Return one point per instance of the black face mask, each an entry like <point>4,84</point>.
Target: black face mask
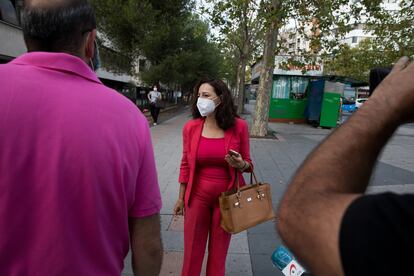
<point>95,60</point>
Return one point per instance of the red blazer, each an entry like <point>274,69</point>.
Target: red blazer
<point>235,138</point>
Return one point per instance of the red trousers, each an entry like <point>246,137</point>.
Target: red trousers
<point>202,220</point>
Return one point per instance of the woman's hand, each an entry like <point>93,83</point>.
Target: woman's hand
<point>235,162</point>
<point>179,208</point>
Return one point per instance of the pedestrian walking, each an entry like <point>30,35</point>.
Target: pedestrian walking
<point>340,111</point>
<point>154,98</point>
<point>207,169</point>
<point>77,171</point>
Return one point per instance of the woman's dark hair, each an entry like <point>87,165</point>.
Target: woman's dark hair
<point>226,111</point>
<point>57,27</point>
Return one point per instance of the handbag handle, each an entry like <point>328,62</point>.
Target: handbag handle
<point>252,176</point>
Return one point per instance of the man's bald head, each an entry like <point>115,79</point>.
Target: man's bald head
<point>57,25</point>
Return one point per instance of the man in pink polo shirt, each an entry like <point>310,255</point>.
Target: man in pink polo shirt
<point>77,170</point>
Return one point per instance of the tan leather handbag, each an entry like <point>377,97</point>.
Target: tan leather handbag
<point>245,207</point>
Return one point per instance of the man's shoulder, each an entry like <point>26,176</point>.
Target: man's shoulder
<point>119,109</point>
<point>90,91</point>
<point>8,68</point>
<point>119,101</point>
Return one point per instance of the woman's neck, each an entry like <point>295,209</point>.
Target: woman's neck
<point>211,128</point>
<point>211,121</point>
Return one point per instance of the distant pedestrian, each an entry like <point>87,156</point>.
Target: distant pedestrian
<point>325,217</point>
<point>77,170</point>
<point>340,111</point>
<point>154,97</point>
<point>206,171</point>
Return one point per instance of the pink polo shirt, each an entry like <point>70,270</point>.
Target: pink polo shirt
<point>76,160</point>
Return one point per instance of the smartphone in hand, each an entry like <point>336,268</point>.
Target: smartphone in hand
<point>234,153</point>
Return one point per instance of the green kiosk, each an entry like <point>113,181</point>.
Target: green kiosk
<point>291,96</point>
<point>288,98</point>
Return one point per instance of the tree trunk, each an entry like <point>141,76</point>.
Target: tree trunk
<point>236,87</point>
<point>241,77</point>
<point>261,115</point>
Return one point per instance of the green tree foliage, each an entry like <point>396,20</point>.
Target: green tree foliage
<point>230,64</point>
<point>358,61</point>
<point>391,28</point>
<point>240,30</point>
<point>196,58</point>
<point>167,33</point>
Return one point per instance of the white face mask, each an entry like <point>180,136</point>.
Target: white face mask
<point>205,106</point>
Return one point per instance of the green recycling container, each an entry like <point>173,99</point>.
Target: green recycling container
<point>331,104</point>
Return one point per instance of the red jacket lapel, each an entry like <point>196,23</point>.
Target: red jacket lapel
<point>228,135</point>
<point>195,139</point>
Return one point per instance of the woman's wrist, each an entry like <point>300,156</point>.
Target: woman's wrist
<point>244,167</point>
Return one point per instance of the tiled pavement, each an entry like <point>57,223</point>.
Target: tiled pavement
<point>275,162</point>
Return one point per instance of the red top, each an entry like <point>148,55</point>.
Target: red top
<point>210,158</point>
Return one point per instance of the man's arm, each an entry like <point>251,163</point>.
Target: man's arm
<point>311,211</point>
<point>146,245</point>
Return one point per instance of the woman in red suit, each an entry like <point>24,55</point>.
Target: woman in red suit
<point>206,171</point>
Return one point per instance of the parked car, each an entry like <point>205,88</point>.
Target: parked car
<point>360,102</point>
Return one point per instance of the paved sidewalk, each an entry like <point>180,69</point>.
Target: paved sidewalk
<point>275,162</point>
<point>168,149</point>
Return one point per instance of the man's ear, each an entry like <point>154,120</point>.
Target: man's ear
<point>89,45</point>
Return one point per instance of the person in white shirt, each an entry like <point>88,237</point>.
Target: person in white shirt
<point>154,96</point>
